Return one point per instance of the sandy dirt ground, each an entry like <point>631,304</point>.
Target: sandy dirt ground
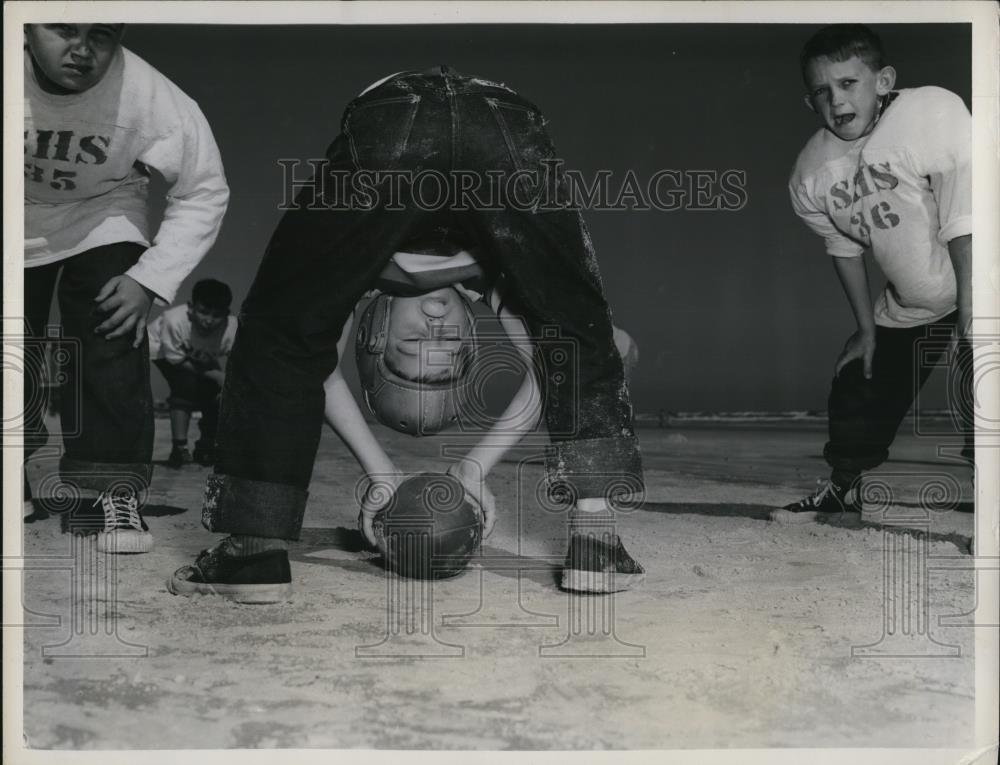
<point>746,633</point>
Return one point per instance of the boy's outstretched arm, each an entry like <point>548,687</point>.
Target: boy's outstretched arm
<point>344,416</point>
<point>960,249</point>
<point>519,418</point>
<point>861,345</point>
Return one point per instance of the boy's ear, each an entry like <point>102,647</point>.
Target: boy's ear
<point>885,80</point>
<point>809,102</point>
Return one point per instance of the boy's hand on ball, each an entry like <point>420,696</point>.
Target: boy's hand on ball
<point>475,487</point>
<point>128,302</point>
<point>379,493</point>
<point>860,345</point>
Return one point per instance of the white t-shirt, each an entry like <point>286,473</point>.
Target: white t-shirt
<point>85,172</point>
<point>172,338</point>
<point>904,190</point>
<point>424,271</point>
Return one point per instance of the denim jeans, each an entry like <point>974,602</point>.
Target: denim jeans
<point>192,392</point>
<point>105,401</point>
<point>864,415</point>
<point>324,255</point>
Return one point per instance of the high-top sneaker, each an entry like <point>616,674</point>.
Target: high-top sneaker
<point>828,500</point>
<point>123,529</point>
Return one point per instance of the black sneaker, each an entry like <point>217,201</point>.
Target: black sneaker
<point>116,518</point>
<point>599,563</point>
<point>828,500</point>
<point>203,455</point>
<point>179,456</point>
<point>264,577</point>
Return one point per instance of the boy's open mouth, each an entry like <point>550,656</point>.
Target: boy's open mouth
<point>843,119</point>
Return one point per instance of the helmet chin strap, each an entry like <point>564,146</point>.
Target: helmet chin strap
<point>883,104</point>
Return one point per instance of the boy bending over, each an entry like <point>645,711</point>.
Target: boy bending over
<point>97,119</point>
<point>325,255</point>
<point>889,171</point>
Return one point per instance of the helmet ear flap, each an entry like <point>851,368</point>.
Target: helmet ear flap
<point>370,341</point>
<point>373,329</point>
<point>473,339</point>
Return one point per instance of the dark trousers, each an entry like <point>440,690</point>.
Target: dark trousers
<point>193,392</point>
<point>325,255</point>
<point>106,405</point>
<point>864,415</point>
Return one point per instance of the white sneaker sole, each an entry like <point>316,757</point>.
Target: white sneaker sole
<point>599,582</point>
<point>790,518</point>
<point>240,593</point>
<point>124,541</point>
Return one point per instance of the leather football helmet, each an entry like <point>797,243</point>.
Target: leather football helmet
<point>408,406</point>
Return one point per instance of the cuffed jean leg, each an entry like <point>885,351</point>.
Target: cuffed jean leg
<point>550,268</point>
<point>319,263</point>
<point>588,411</point>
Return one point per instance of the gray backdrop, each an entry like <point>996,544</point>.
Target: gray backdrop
<point>732,310</point>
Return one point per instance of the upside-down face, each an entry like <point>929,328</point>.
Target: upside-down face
<point>426,334</point>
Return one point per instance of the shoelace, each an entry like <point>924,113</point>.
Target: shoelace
<point>120,508</point>
<point>825,487</point>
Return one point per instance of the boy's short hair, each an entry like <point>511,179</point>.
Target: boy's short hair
<point>212,293</point>
<point>839,42</point>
